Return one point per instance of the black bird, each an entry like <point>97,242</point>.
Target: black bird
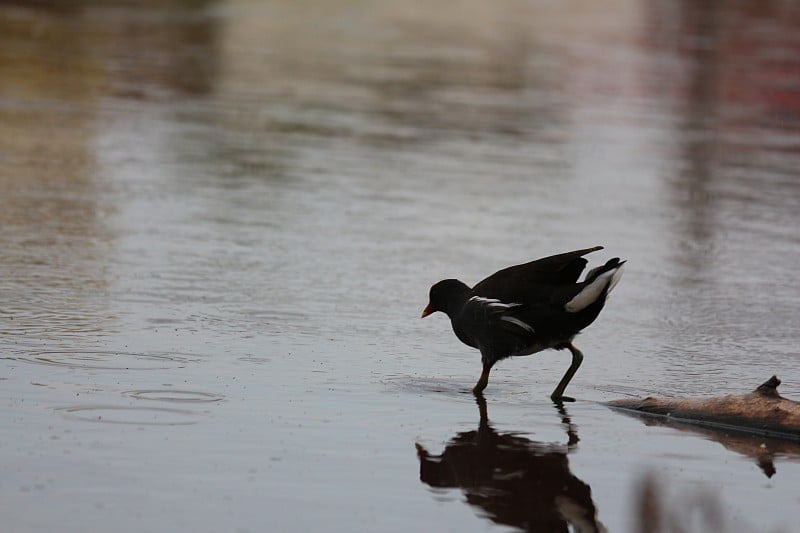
<point>527,308</point>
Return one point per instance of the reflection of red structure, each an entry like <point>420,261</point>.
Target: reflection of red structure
<point>759,53</point>
<point>743,56</point>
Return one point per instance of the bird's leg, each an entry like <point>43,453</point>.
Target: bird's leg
<point>577,359</point>
<point>482,411</point>
<point>483,381</point>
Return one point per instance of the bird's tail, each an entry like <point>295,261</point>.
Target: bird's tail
<point>598,283</point>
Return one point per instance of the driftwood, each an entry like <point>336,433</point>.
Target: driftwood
<point>763,411</point>
<point>760,424</point>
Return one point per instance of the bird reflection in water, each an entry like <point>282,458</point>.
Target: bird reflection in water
<point>515,481</point>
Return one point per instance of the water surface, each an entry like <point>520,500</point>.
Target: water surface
<point>220,221</point>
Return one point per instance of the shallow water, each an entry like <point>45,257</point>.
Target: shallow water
<point>220,221</point>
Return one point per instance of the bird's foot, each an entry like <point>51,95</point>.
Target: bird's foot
<point>561,399</point>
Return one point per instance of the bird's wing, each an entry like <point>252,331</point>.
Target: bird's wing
<point>522,279</point>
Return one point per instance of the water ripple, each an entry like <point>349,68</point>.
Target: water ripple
<point>173,395</point>
<point>103,360</point>
<point>136,416</point>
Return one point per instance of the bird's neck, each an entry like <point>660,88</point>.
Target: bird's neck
<point>456,301</point>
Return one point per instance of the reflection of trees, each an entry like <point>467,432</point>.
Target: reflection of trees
<point>428,74</point>
<point>52,240</point>
<point>514,480</point>
<point>59,62</point>
<point>173,46</point>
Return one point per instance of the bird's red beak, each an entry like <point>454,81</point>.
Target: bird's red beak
<point>426,311</point>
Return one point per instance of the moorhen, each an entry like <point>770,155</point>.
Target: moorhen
<point>527,308</point>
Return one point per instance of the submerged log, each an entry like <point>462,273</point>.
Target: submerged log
<point>762,412</point>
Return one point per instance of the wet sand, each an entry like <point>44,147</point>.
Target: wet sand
<point>220,221</point>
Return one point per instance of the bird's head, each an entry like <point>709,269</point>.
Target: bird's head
<point>444,295</point>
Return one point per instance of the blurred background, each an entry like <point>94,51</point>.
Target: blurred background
<point>220,221</point>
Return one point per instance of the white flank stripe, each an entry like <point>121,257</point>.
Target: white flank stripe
<point>491,302</point>
<point>518,322</point>
<point>592,292</point>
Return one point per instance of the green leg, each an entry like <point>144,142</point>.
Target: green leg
<point>577,359</point>
<point>482,382</point>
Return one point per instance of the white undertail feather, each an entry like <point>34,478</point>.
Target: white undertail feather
<point>615,278</point>
<point>592,291</point>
